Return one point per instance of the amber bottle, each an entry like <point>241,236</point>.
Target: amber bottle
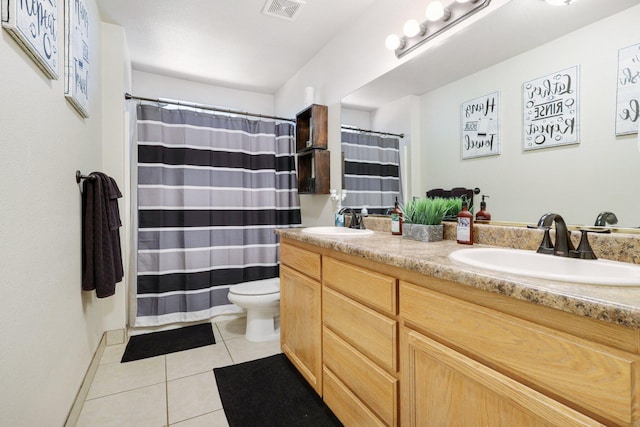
<point>483,215</point>
<point>465,226</point>
<point>396,219</point>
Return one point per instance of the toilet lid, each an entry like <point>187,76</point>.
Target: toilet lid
<point>262,287</point>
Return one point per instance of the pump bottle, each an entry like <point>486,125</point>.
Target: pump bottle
<point>396,219</point>
<point>464,229</point>
<point>483,215</point>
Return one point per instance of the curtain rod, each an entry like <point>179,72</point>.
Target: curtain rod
<point>401,135</point>
<point>128,96</point>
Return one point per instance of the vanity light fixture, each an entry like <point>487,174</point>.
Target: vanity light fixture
<point>439,19</point>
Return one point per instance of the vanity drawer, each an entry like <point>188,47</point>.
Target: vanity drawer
<point>366,380</point>
<point>596,378</point>
<point>304,261</point>
<point>367,330</point>
<point>363,285</point>
<point>345,405</point>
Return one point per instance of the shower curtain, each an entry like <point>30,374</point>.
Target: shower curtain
<point>371,171</point>
<point>211,191</point>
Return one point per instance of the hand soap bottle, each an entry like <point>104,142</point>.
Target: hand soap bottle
<point>483,215</point>
<point>396,220</point>
<point>464,229</point>
<point>339,216</point>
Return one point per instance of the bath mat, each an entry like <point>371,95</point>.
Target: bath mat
<point>164,342</point>
<point>270,392</point>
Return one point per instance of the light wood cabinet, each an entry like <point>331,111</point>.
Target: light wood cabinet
<point>300,314</point>
<point>360,341</point>
<point>385,346</point>
<point>445,388</point>
<point>570,371</point>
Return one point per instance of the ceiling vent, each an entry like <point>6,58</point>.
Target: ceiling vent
<point>285,9</point>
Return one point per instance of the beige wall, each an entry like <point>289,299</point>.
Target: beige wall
<point>49,328</point>
<point>576,181</point>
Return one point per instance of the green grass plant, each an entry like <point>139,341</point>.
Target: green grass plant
<point>426,211</point>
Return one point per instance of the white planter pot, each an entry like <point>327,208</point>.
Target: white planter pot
<point>423,233</point>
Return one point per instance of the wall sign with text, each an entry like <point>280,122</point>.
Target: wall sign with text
<point>481,126</point>
<point>76,64</point>
<point>34,25</point>
<point>551,110</point>
<point>628,93</point>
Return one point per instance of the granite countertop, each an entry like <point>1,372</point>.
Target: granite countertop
<point>619,305</point>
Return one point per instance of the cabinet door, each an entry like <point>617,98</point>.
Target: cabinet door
<point>300,324</point>
<point>441,387</point>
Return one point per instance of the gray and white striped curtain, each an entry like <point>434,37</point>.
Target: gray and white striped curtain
<point>211,191</point>
<point>371,171</point>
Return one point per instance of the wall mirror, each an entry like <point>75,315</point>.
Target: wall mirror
<point>520,41</point>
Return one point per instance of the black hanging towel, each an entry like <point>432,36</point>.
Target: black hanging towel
<point>101,250</point>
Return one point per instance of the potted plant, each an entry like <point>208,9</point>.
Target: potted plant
<point>423,219</point>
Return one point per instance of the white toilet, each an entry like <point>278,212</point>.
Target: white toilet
<point>261,299</point>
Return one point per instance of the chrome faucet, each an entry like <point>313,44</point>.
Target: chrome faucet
<point>356,219</point>
<point>563,244</point>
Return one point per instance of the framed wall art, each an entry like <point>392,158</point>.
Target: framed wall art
<point>76,64</point>
<point>551,110</point>
<point>481,126</point>
<point>34,25</point>
<point>628,90</point>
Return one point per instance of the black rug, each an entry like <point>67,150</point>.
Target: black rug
<point>270,392</point>
<point>164,342</point>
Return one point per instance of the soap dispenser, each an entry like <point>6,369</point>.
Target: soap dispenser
<point>396,219</point>
<point>464,229</point>
<point>483,215</point>
<point>339,217</point>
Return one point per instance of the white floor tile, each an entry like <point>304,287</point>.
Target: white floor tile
<point>112,354</point>
<point>212,419</point>
<point>142,407</point>
<point>197,360</point>
<point>216,333</point>
<point>137,393</point>
<point>242,350</point>
<point>232,328</point>
<point>192,396</point>
<point>117,377</point>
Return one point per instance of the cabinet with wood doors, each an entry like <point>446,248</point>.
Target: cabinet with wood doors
<point>300,312</point>
<point>386,346</point>
<point>465,364</point>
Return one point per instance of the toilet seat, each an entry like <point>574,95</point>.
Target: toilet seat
<point>262,287</point>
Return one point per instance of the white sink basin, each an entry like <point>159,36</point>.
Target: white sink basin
<point>336,232</point>
<point>533,264</point>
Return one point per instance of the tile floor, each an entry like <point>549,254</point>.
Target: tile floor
<point>178,389</point>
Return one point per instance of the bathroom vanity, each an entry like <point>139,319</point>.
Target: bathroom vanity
<point>392,332</point>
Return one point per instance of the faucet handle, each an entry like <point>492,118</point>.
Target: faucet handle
<point>584,250</point>
<point>546,247</point>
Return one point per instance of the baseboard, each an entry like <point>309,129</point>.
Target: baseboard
<point>108,338</point>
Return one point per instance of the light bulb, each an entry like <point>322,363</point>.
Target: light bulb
<point>392,42</point>
<point>436,11</point>
<point>411,28</point>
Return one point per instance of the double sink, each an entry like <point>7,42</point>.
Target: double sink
<point>525,263</point>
